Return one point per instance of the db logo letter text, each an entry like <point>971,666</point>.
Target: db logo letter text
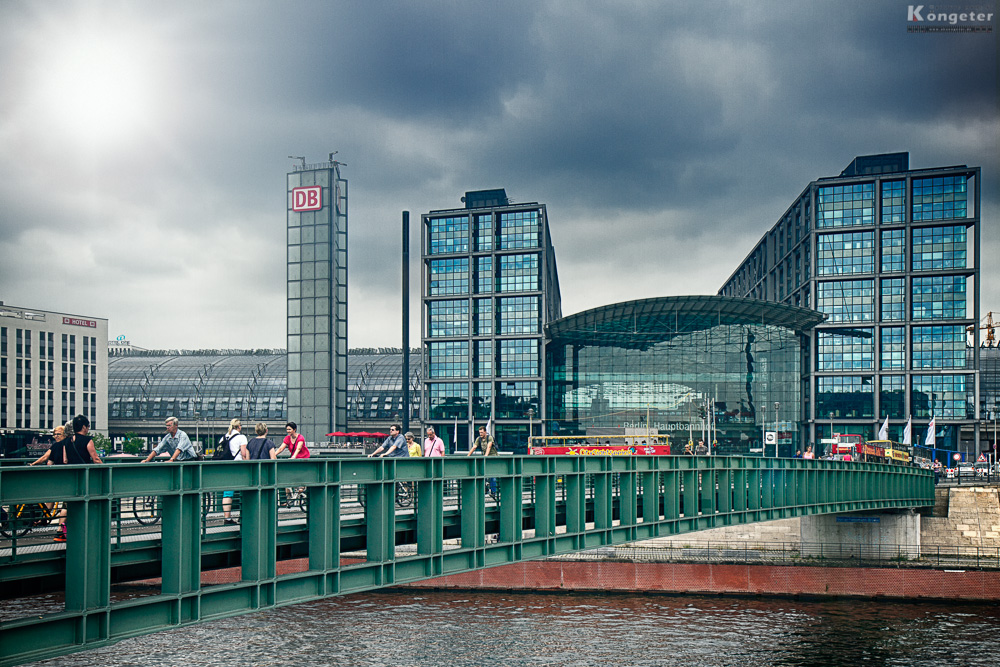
<point>307,199</point>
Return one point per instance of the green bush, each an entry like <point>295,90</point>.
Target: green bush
<point>133,444</point>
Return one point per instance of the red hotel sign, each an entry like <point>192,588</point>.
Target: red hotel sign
<point>307,199</point>
<point>77,322</point>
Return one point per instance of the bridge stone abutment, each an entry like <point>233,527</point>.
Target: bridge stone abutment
<point>870,533</point>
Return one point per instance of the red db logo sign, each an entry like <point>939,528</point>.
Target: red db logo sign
<point>307,199</point>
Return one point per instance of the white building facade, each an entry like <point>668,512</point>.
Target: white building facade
<point>53,366</point>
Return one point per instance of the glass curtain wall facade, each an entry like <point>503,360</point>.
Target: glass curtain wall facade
<point>675,366</point>
<point>891,255</point>
<point>317,299</point>
<point>489,287</point>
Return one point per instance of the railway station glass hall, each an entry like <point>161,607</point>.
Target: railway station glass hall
<point>671,365</point>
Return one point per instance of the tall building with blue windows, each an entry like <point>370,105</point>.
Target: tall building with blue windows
<point>489,287</point>
<point>317,299</point>
<point>891,255</point>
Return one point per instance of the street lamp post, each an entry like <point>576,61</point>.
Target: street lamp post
<point>763,431</point>
<point>777,405</point>
<point>996,410</point>
<point>831,425</point>
<point>531,417</point>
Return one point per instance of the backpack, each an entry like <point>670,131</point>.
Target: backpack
<point>223,452</point>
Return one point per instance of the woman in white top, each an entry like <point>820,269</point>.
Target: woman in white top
<point>238,448</point>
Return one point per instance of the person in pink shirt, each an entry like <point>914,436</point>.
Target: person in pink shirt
<point>433,445</point>
<point>294,442</point>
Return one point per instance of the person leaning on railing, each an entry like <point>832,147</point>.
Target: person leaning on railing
<point>176,442</point>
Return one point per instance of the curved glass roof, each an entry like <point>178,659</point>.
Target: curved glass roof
<point>644,322</point>
<point>223,385</point>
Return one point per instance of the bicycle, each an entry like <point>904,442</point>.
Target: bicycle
<point>18,520</point>
<point>147,510</point>
<point>403,498</point>
<point>298,498</point>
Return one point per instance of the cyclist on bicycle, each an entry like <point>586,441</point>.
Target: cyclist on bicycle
<point>176,442</point>
<point>489,446</point>
<point>394,445</point>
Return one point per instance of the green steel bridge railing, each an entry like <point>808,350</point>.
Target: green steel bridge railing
<point>350,535</point>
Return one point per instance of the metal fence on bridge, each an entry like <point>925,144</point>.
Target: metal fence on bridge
<point>163,524</point>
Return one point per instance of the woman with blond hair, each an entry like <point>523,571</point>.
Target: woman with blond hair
<point>237,443</point>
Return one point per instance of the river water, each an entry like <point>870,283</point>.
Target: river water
<point>425,628</point>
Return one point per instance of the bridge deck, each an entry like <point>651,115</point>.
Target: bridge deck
<point>353,536</point>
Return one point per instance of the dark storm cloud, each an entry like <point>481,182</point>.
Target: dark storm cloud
<point>665,138</point>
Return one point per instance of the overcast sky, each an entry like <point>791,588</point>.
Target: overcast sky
<point>144,144</point>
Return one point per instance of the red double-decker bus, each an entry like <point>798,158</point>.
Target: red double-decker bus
<point>604,445</point>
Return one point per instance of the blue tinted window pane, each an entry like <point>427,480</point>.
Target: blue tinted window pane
<point>845,396</point>
<point>519,358</point>
<point>893,201</point>
<point>845,205</point>
<point>939,248</point>
<point>849,252</point>
<point>893,348</point>
<point>448,235</point>
<point>448,318</point>
<point>519,273</point>
<point>519,229</point>
<point>893,250</point>
<point>847,300</point>
<point>891,396</point>
<point>514,399</point>
<point>845,349</point>
<point>940,396</point>
<point>939,347</point>
<point>939,297</point>
<point>484,232</point>
<point>449,276</point>
<point>519,315</point>
<point>484,358</point>
<point>484,317</point>
<point>448,400</point>
<point>941,198</point>
<point>894,299</point>
<point>484,275</point>
<point>448,359</point>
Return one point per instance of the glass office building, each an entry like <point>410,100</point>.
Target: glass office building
<point>891,255</point>
<point>489,286</point>
<point>317,298</point>
<point>675,365</point>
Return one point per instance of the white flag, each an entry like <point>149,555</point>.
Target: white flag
<point>907,431</point>
<point>883,433</point>
<point>931,438</point>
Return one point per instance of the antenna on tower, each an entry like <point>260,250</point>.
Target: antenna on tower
<point>337,163</point>
<point>298,157</point>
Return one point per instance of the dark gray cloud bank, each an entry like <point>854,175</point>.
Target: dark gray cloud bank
<point>664,137</point>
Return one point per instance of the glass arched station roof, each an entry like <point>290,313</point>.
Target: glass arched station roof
<point>642,323</point>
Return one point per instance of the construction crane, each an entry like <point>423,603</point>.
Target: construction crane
<point>991,339</point>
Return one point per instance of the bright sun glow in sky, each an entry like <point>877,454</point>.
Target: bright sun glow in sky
<point>94,86</point>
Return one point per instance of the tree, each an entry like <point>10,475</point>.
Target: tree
<point>102,443</point>
<point>133,444</point>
